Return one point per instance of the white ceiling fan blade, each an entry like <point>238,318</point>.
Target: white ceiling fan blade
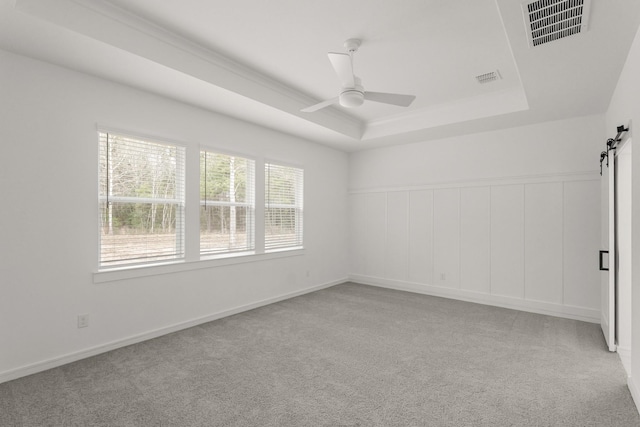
<point>341,62</point>
<point>390,98</point>
<point>320,105</point>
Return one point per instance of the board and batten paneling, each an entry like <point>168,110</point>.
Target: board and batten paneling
<point>446,237</point>
<point>475,239</point>
<point>357,232</point>
<point>507,240</point>
<point>376,234</point>
<point>543,242</point>
<point>420,236</point>
<point>521,244</point>
<point>397,259</point>
<point>581,236</point>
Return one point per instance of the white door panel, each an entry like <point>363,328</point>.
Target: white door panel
<point>607,310</point>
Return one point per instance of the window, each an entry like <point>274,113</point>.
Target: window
<point>141,201</point>
<point>227,203</point>
<point>283,206</point>
<point>142,205</point>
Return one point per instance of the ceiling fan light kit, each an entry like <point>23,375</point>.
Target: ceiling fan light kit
<point>351,98</point>
<point>352,93</point>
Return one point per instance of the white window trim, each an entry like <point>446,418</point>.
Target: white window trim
<point>193,259</point>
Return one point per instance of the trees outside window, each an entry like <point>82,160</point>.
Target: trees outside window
<point>227,203</point>
<point>141,200</point>
<point>142,203</point>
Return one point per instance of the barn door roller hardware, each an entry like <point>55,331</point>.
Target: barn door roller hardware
<point>611,145</point>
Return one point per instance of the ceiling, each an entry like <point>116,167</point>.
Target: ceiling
<point>263,61</point>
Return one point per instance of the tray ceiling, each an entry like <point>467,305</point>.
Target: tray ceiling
<point>264,61</point>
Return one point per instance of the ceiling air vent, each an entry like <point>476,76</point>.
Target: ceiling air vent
<point>549,20</point>
<point>488,77</point>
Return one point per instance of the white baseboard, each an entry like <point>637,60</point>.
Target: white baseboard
<point>625,357</point>
<point>540,307</point>
<point>635,392</point>
<point>44,365</point>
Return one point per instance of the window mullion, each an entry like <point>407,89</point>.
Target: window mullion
<point>192,202</point>
<point>260,180</point>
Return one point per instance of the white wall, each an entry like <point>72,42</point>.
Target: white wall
<point>49,214</point>
<point>558,147</point>
<point>509,218</point>
<point>624,109</point>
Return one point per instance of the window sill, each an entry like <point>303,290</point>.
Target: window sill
<point>124,273</point>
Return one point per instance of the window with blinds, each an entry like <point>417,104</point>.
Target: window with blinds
<point>227,203</point>
<point>283,206</point>
<point>141,200</point>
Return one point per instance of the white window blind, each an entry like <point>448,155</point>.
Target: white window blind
<point>141,200</point>
<point>283,206</point>
<point>227,203</point>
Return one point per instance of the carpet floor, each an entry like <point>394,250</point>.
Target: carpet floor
<point>350,355</point>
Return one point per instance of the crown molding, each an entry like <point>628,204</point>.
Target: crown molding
<point>107,23</point>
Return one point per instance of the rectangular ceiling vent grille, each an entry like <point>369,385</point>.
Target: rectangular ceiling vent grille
<point>550,20</point>
<point>488,77</point>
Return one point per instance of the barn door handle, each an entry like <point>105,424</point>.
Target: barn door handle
<point>602,267</point>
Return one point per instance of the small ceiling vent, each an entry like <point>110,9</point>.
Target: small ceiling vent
<point>488,77</point>
<point>549,20</point>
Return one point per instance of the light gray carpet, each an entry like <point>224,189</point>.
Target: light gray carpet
<point>351,355</point>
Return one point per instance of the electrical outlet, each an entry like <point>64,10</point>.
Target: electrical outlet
<point>443,276</point>
<point>83,320</point>
<point>308,273</point>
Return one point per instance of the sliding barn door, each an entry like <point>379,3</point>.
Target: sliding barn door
<point>608,280</point>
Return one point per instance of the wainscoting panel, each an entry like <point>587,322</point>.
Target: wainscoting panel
<point>358,232</point>
<point>581,240</point>
<point>475,239</point>
<point>507,240</point>
<point>543,242</point>
<point>446,237</point>
<point>397,260</point>
<point>421,236</point>
<point>376,235</point>
<point>525,243</point>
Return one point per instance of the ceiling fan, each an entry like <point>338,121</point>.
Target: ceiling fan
<point>352,93</point>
